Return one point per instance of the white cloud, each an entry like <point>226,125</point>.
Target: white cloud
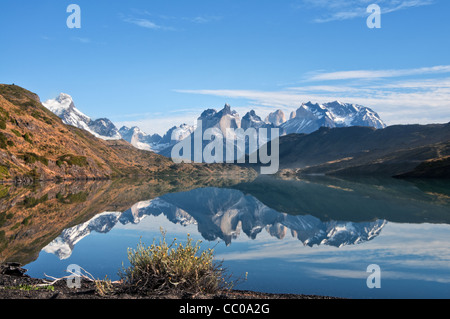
<point>376,74</point>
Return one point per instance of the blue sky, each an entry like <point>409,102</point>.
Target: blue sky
<point>158,63</point>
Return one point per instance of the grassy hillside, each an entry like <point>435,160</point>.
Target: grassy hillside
<point>36,145</point>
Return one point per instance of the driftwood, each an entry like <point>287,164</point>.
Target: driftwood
<point>85,276</point>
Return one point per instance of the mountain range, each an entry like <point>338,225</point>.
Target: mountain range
<point>307,118</point>
<point>59,141</point>
<point>331,138</point>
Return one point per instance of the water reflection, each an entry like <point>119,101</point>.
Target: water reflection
<point>291,235</point>
<point>223,214</point>
<point>318,211</point>
<point>32,217</point>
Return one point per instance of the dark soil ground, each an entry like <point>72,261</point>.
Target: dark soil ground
<point>14,284</point>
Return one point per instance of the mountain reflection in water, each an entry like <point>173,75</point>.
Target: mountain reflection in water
<point>223,213</point>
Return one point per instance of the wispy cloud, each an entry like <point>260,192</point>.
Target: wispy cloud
<point>203,19</point>
<point>333,10</point>
<point>146,19</point>
<point>144,23</point>
<point>373,74</point>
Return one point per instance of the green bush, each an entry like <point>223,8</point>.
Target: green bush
<point>173,268</point>
<point>72,198</point>
<point>3,141</point>
<point>27,138</point>
<point>30,202</point>
<point>16,132</point>
<point>4,172</point>
<point>72,160</point>
<point>31,158</point>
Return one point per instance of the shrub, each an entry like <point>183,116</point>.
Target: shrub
<point>30,202</point>
<point>73,198</point>
<point>4,172</point>
<point>27,138</point>
<point>71,160</point>
<point>31,158</point>
<point>3,141</point>
<point>16,133</point>
<point>174,268</point>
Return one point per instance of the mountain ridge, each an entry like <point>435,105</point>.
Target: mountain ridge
<point>307,118</point>
<point>394,150</point>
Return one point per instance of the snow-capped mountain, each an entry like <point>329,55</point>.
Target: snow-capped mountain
<point>64,107</point>
<point>306,119</point>
<point>276,118</point>
<point>139,139</point>
<point>310,117</point>
<point>225,214</point>
<point>223,120</point>
<point>176,134</point>
<point>251,120</point>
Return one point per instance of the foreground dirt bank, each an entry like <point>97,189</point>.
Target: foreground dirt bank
<point>14,284</point>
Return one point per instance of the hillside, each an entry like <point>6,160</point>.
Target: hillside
<point>391,151</point>
<point>36,145</point>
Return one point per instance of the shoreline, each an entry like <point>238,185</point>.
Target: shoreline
<point>15,284</point>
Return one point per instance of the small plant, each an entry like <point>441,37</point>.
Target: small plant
<point>174,268</point>
<point>104,287</point>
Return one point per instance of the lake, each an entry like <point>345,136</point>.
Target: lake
<point>314,235</point>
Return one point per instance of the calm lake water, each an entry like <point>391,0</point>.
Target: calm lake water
<point>310,236</point>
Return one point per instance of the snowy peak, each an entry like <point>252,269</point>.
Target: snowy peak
<point>309,117</point>
<point>224,119</point>
<point>139,139</point>
<point>64,107</point>
<point>276,118</point>
<point>251,120</point>
<point>62,103</point>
